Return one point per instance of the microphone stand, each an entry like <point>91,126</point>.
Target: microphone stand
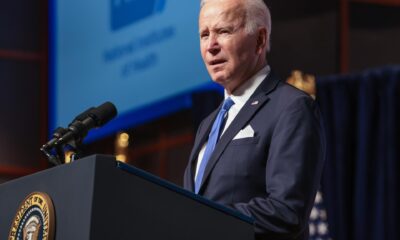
<point>55,153</point>
<point>76,147</point>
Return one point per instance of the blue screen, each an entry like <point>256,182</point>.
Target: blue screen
<point>142,55</point>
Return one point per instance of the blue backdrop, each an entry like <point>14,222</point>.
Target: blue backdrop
<point>142,55</point>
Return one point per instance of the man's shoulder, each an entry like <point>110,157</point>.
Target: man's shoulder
<point>286,96</point>
<point>290,91</point>
<point>286,93</point>
<point>274,86</point>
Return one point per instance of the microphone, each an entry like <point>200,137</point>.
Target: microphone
<point>78,129</point>
<point>83,115</point>
<point>95,118</point>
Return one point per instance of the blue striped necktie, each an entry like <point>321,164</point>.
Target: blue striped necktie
<point>212,141</point>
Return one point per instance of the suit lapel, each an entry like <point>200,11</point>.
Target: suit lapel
<point>256,102</point>
<point>202,136</point>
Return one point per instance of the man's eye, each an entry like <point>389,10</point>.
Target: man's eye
<point>204,35</point>
<point>224,31</point>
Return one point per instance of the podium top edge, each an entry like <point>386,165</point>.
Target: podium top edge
<point>156,180</point>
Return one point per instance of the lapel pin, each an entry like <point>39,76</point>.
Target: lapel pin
<point>254,103</point>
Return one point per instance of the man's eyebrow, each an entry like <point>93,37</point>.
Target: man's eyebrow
<point>229,27</point>
<point>203,30</point>
<point>218,27</point>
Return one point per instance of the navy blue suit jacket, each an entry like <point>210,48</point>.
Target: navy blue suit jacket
<point>273,176</point>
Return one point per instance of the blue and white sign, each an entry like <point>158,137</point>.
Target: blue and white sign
<point>138,54</point>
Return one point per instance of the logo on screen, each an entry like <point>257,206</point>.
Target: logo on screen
<point>127,12</point>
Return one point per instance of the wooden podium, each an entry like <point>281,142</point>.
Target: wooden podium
<point>98,197</point>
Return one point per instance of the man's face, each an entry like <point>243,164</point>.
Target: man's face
<point>230,53</point>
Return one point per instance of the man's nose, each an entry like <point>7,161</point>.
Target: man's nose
<point>213,46</point>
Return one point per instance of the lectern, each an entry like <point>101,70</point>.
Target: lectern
<point>98,198</point>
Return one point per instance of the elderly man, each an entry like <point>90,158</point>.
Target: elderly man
<point>262,151</point>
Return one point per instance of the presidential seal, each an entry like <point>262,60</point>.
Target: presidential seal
<point>34,219</point>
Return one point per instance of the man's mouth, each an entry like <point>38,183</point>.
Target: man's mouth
<point>216,62</point>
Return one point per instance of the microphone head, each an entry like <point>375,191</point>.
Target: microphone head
<point>83,115</point>
<point>103,113</point>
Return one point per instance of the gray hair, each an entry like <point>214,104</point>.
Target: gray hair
<point>257,15</point>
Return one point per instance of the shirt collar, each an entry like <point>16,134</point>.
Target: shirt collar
<point>244,92</point>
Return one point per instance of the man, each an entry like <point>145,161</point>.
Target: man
<point>262,151</point>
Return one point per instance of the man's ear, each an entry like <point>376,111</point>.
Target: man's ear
<point>262,40</point>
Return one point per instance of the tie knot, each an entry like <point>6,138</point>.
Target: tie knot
<point>227,104</point>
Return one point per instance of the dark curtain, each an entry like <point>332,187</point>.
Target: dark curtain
<point>361,180</point>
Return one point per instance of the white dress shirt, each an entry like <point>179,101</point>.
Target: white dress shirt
<point>239,97</point>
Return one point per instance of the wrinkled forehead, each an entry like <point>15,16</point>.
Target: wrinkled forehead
<point>219,12</point>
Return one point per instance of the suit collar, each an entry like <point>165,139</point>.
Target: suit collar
<point>268,85</point>
<point>243,93</point>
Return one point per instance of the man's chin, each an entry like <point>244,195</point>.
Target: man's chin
<point>221,80</point>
